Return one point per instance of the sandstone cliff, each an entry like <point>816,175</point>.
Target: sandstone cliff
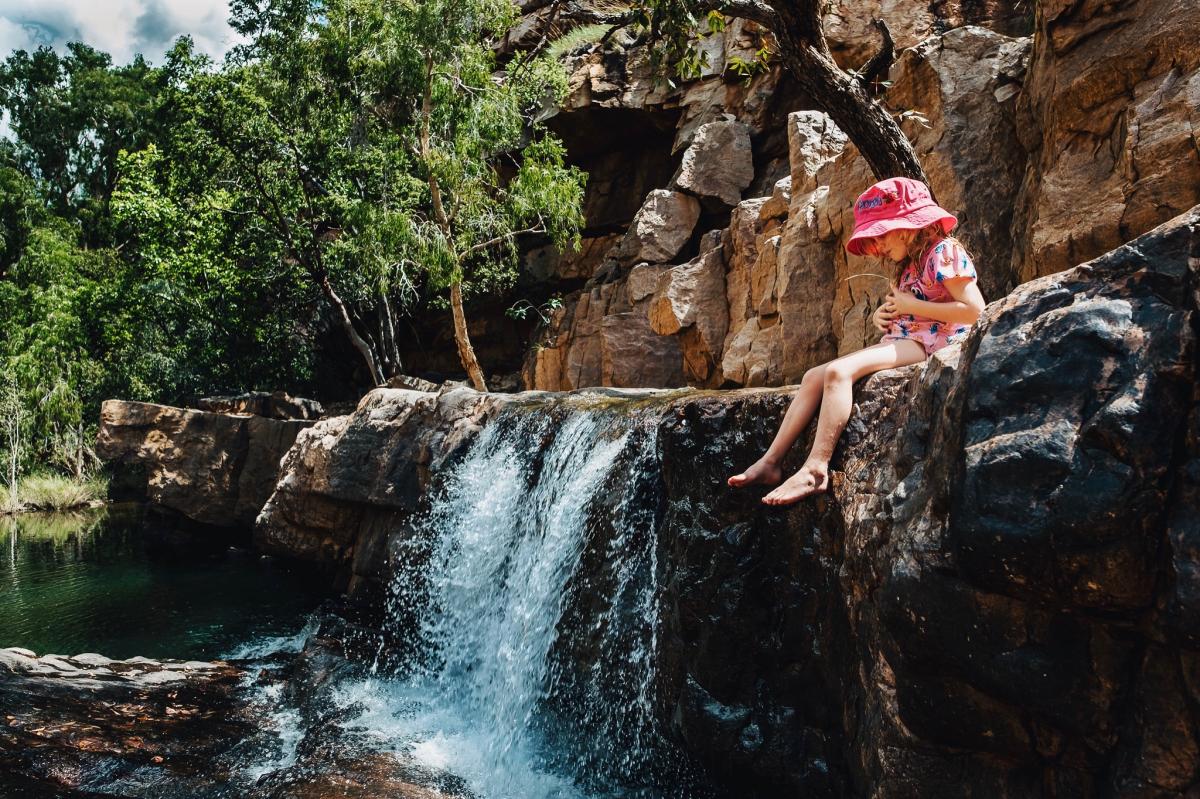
<point>1052,148</point>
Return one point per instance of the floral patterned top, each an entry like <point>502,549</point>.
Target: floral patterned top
<point>946,259</point>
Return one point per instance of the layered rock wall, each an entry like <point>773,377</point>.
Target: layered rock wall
<point>1052,149</point>
<point>774,293</point>
<point>213,469</point>
<point>1111,117</point>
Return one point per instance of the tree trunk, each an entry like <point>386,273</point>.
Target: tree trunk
<point>391,350</point>
<point>465,351</point>
<point>348,325</point>
<point>868,124</point>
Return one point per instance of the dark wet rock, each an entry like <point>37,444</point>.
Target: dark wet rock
<point>214,469</point>
<point>980,607</point>
<point>272,405</point>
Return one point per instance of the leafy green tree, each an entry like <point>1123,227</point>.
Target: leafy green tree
<point>374,142</point>
<point>71,115</point>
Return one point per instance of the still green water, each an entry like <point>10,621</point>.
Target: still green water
<point>103,581</point>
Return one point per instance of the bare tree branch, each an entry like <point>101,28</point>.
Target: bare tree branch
<point>881,62</point>
<point>483,245</point>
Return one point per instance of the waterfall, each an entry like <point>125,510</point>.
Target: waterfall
<point>529,582</point>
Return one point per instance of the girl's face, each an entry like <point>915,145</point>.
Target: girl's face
<point>892,245</point>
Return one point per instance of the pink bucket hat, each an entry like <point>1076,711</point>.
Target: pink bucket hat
<point>892,204</point>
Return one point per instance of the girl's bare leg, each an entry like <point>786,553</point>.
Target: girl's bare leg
<point>836,402</point>
<point>804,404</point>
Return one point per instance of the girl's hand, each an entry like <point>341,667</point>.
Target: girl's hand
<point>883,316</point>
<point>902,301</point>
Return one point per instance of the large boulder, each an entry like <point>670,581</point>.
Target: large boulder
<point>351,479</point>
<point>213,469</point>
<point>660,228</point>
<point>719,163</point>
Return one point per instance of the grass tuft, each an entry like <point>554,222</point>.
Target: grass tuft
<point>54,492</point>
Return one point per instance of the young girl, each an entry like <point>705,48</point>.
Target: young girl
<point>933,301</point>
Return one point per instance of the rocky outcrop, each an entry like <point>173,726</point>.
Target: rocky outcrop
<point>994,592</point>
<point>213,469</point>
<point>272,405</point>
<point>998,597</point>
<point>1110,117</point>
<point>689,302</point>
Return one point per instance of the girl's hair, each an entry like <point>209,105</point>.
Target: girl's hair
<point>926,239</point>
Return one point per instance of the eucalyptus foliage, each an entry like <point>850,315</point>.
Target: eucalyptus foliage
<point>196,227</point>
<point>385,154</point>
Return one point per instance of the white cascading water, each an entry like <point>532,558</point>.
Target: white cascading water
<point>532,583</point>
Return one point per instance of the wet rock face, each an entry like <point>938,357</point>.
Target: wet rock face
<point>213,469</point>
<point>997,597</point>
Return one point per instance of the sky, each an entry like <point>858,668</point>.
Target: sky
<point>122,28</point>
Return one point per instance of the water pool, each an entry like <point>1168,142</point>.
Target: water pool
<point>104,581</point>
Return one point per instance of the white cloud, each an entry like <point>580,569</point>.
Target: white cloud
<point>121,28</point>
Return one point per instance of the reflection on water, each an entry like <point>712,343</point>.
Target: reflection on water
<point>102,581</point>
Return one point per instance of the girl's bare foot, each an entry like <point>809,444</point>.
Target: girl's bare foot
<point>813,478</point>
<point>763,471</point>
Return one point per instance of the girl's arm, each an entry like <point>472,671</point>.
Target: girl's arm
<point>964,310</point>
